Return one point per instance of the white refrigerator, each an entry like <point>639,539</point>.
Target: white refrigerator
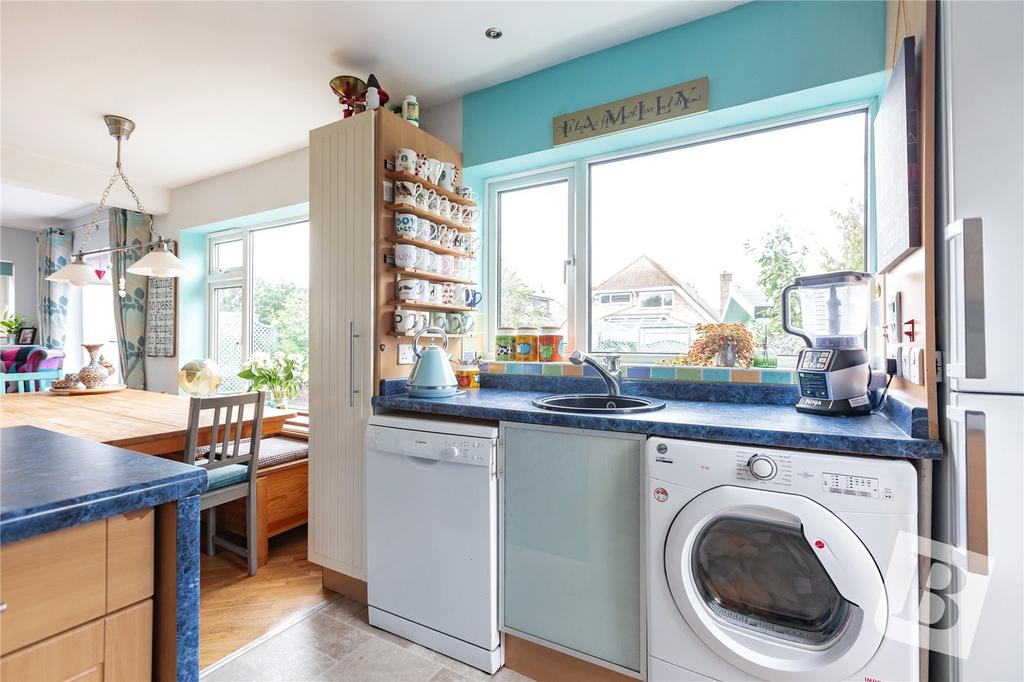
<point>979,485</point>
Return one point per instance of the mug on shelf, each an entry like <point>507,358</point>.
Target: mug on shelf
<point>434,168</point>
<point>424,197</point>
<point>406,192</point>
<point>463,267</point>
<point>468,215</point>
<point>447,177</point>
<point>407,256</point>
<point>405,161</point>
<point>444,207</point>
<point>411,289</point>
<point>446,265</point>
<point>470,244</point>
<point>406,321</point>
<point>439,320</point>
<point>421,165</point>
<point>433,203</point>
<point>448,237</point>
<point>434,291</point>
<point>426,260</point>
<point>425,229</point>
<point>466,193</point>
<point>460,323</point>
<point>447,293</point>
<point>406,225</point>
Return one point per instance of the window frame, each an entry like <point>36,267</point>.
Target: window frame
<point>233,277</point>
<point>581,299</point>
<point>492,256</point>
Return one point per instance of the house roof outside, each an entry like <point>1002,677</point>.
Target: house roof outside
<point>646,273</point>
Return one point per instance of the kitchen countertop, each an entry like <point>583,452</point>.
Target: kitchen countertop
<point>775,425</point>
<point>50,481</point>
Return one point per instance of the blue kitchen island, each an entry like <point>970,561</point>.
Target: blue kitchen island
<point>76,513</point>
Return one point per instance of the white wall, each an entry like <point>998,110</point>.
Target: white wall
<point>220,202</point>
<point>444,121</point>
<point>19,247</point>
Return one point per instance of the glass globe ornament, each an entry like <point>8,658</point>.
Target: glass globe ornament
<point>200,377</point>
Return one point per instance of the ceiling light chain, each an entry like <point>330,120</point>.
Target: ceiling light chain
<point>93,227</point>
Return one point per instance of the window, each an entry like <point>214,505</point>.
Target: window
<point>258,292</point>
<point>703,232</point>
<point>98,326</point>
<point>534,220</point>
<point>656,299</point>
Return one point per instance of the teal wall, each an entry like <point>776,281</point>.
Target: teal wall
<point>753,53</point>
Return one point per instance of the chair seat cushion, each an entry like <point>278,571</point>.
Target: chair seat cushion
<point>273,451</point>
<point>222,477</point>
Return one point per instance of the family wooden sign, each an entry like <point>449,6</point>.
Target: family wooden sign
<point>656,106</point>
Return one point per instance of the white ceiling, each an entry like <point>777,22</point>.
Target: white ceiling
<point>30,209</point>
<point>215,86</point>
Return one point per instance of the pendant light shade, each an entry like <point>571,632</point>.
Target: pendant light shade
<point>159,262</point>
<point>77,273</point>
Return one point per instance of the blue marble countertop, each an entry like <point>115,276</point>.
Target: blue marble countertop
<point>50,481</point>
<point>769,424</point>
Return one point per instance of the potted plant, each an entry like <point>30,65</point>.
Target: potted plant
<point>720,344</point>
<point>280,374</point>
<point>10,323</point>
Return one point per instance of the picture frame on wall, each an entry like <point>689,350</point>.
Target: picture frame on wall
<point>162,316</point>
<point>26,336</point>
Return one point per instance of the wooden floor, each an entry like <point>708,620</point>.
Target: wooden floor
<point>235,608</point>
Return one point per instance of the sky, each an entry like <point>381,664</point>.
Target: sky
<point>692,209</point>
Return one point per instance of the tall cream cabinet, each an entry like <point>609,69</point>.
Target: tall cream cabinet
<point>341,335</point>
<point>352,303</point>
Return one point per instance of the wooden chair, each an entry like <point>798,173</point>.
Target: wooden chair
<point>30,382</point>
<point>231,469</point>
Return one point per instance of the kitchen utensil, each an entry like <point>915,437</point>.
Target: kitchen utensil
<point>432,375</point>
<point>833,371</point>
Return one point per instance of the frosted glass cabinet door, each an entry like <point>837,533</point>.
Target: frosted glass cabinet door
<point>573,540</point>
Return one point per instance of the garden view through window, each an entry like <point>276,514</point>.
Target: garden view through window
<point>703,233</point>
<point>271,265</point>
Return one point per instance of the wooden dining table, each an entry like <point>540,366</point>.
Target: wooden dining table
<point>153,423</point>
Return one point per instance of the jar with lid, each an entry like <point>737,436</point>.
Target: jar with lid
<point>550,344</point>
<point>505,344</point>
<point>411,110</point>
<point>527,344</point>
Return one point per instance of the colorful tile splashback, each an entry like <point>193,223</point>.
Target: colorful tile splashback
<point>652,372</point>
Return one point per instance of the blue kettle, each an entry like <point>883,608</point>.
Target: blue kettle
<point>432,376</point>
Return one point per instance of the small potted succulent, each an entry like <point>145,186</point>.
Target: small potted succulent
<point>280,374</point>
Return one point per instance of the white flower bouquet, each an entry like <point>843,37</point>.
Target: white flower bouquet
<point>282,375</point>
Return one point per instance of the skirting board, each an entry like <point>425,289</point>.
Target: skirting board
<point>547,665</point>
<point>345,585</point>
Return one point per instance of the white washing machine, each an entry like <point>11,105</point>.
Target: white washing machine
<point>768,564</point>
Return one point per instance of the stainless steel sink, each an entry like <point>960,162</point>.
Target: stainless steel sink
<point>600,404</point>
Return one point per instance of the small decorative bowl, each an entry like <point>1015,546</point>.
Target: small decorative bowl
<point>69,381</point>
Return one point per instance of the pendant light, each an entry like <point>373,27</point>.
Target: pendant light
<point>159,262</point>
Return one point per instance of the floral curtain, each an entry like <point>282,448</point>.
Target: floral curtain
<point>129,228</point>
<point>54,249</point>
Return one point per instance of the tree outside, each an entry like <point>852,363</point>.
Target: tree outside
<point>284,307</point>
<point>520,304</point>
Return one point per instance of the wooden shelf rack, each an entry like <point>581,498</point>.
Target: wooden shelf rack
<point>430,276</point>
<point>427,215</point>
<point>409,177</point>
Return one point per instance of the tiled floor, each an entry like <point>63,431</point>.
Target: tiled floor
<point>337,643</point>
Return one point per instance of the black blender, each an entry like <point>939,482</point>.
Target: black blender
<point>833,371</point>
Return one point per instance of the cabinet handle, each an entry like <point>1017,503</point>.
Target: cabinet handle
<point>971,439</point>
<point>966,265</point>
<point>352,390</point>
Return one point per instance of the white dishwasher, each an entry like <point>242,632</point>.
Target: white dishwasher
<point>432,527</point>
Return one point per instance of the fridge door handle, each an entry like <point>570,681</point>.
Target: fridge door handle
<point>971,439</point>
<point>966,276</point>
<point>352,390</point>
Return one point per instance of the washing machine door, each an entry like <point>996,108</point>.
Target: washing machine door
<point>775,584</point>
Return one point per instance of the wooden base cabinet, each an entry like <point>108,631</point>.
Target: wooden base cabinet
<point>78,602</point>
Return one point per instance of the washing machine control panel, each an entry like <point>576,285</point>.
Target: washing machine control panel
<point>776,468</point>
<point>860,486</point>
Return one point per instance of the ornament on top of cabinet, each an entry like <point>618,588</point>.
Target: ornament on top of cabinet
<point>382,97</point>
<point>349,90</point>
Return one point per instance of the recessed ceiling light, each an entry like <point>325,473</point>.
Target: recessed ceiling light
<point>493,33</point>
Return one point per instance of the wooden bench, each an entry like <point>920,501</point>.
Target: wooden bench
<point>282,495</point>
